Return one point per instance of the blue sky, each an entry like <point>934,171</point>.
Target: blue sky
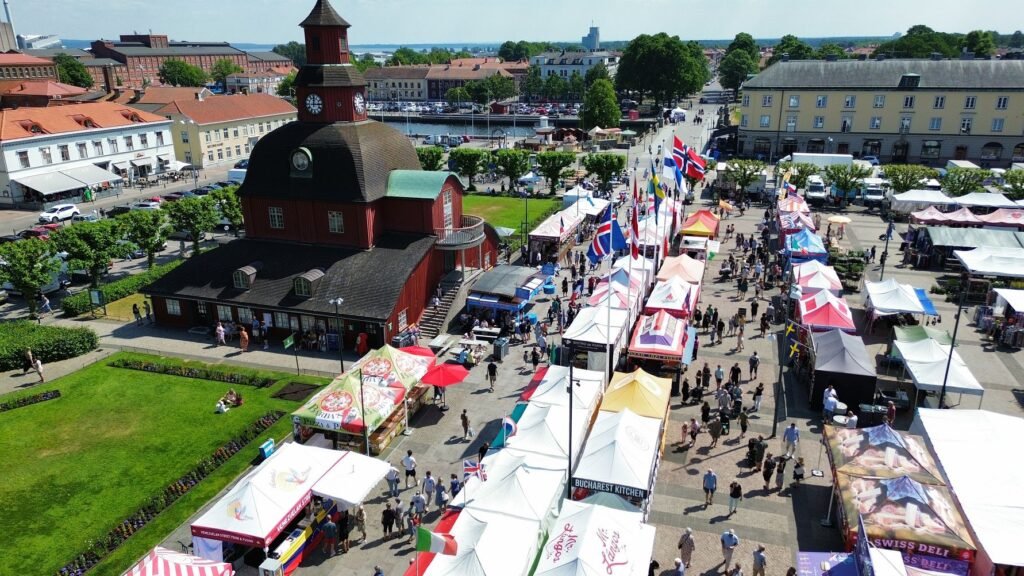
<point>442,21</point>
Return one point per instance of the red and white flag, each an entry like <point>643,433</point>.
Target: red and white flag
<point>634,232</point>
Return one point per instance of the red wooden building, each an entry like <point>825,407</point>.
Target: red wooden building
<point>336,207</point>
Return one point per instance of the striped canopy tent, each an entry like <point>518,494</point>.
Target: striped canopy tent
<point>790,222</point>
<point>793,204</point>
<point>163,562</point>
<point>930,215</point>
<point>623,278</point>
<point>675,296</point>
<point>658,337</point>
<point>701,223</point>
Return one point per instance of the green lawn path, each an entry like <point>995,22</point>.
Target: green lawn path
<point>506,211</point>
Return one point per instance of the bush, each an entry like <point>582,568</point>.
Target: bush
<point>48,343</point>
<point>200,371</point>
<point>79,304</point>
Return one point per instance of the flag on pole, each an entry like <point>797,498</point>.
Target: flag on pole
<point>509,427</point>
<point>427,541</point>
<point>634,235</point>
<point>790,189</point>
<point>695,165</point>
<point>473,468</point>
<point>678,152</point>
<point>636,194</point>
<point>669,168</point>
<point>607,240</point>
<point>561,226</point>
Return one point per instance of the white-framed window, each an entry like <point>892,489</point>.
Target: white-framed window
<point>766,100</point>
<point>766,120</point>
<point>234,131</point>
<point>144,140</point>
<point>241,280</point>
<point>129,142</point>
<point>905,124</point>
<point>45,153</point>
<point>908,101</point>
<point>746,100</point>
<point>940,102</point>
<point>335,222</point>
<point>23,159</point>
<point>97,147</point>
<point>184,136</point>
<point>846,124</point>
<point>173,307</point>
<point>969,102</point>
<point>791,123</point>
<point>935,123</point>
<point>743,121</point>
<point>879,101</point>
<point>209,155</point>
<point>821,102</point>
<point>876,123</point>
<point>794,101</point>
<point>819,122</point>
<point>281,319</point>
<point>850,102</point>
<point>65,153</point>
<point>112,144</point>
<point>303,287</point>
<point>228,151</point>
<point>220,153</point>
<point>159,138</point>
<point>966,124</point>
<point>83,149</point>
<point>225,133</point>
<point>997,124</point>
<point>403,319</point>
<point>1002,102</point>
<point>206,135</point>
<point>276,214</point>
<point>188,157</point>
<point>224,313</point>
<point>245,316</point>
<point>201,308</point>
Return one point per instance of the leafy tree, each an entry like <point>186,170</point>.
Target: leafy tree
<point>180,73</point>
<point>28,265</point>
<point>1014,184</point>
<point>365,62</point>
<point>223,68</point>
<point>457,95</point>
<point>91,246</point>
<point>552,164</point>
<point>230,206</point>
<point>287,85</point>
<point>734,69</point>
<point>512,51</point>
<point>576,86</point>
<point>919,42</point>
<point>596,72</point>
<point>662,66</point>
<point>555,87</point>
<point>512,164</point>
<point>744,172</point>
<point>533,84</point>
<point>147,230</point>
<point>601,107</point>
<point>293,50</point>
<point>795,47</point>
<point>960,181</point>
<point>1016,40</point>
<point>904,177</point>
<point>845,178</point>
<point>71,71</point>
<point>468,162</point>
<point>508,51</point>
<point>980,43</point>
<point>799,172</point>
<point>431,157</point>
<point>604,165</point>
<point>745,43</point>
<point>500,87</point>
<point>829,49</point>
<point>194,215</point>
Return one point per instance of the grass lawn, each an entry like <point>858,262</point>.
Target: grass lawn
<point>121,310</point>
<point>506,211</point>
<point>114,439</point>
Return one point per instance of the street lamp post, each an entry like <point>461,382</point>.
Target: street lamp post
<point>885,254</point>
<point>337,302</point>
<point>568,388</point>
<point>964,280</point>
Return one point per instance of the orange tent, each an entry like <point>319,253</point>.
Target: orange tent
<point>701,223</point>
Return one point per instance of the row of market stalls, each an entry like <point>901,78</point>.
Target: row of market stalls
<point>917,200</point>
<point>1001,217</point>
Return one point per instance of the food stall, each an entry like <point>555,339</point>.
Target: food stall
<point>163,562</point>
<point>522,486</point>
<point>805,245</point>
<point>663,339</point>
<point>684,267</point>
<point>841,360</point>
<point>675,296</point>
<point>504,289</point>
<point>488,543</point>
<point>596,331</point>
<point>701,223</point>
<point>933,366</point>
<point>823,311</point>
<point>813,276</point>
<point>555,236</point>
<point>592,540</point>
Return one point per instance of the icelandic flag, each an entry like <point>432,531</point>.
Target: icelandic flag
<point>607,240</point>
<point>509,427</point>
<point>678,152</point>
<point>790,188</point>
<point>634,236</point>
<point>473,468</point>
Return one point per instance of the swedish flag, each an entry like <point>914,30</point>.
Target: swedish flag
<point>792,337</point>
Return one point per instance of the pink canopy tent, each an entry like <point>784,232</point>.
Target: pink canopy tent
<point>658,337</point>
<point>930,215</point>
<point>675,296</point>
<point>791,222</point>
<point>614,294</point>
<point>962,217</point>
<point>163,562</point>
<point>813,276</point>
<point>1004,217</point>
<point>684,267</point>
<point>793,204</point>
<point>824,311</point>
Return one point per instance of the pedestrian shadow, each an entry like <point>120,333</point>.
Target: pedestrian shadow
<point>719,518</point>
<point>691,509</point>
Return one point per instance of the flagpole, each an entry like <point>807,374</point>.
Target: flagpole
<point>611,253</point>
<point>632,236</point>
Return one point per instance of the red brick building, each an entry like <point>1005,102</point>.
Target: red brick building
<point>143,54</point>
<point>335,206</point>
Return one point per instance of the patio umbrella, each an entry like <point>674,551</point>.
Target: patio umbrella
<point>445,374</point>
<point>420,351</point>
<point>724,205</point>
<point>839,219</point>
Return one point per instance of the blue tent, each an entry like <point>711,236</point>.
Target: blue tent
<point>805,245</point>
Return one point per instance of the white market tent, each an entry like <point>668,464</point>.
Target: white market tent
<point>973,448</point>
<point>350,480</point>
<point>593,207</point>
<point>684,267</point>
<point>552,388</point>
<point>1008,296</point>
<point>590,528</point>
<point>925,361</point>
<point>891,297</point>
<point>500,463</point>
<point>621,456</point>
<point>489,545</point>
<point>640,267</point>
<point>558,226</point>
<point>992,261</point>
<point>986,200</point>
<point>914,200</point>
<point>596,328</point>
<point>520,491</point>
<point>544,430</point>
<point>262,503</point>
<point>163,562</point>
<point>813,276</point>
<point>675,296</point>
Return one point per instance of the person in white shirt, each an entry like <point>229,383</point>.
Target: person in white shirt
<point>392,478</point>
<point>409,463</point>
<point>830,407</point>
<point>851,419</point>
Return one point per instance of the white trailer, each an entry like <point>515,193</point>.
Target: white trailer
<point>819,160</point>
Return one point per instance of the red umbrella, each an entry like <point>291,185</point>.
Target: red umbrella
<point>420,351</point>
<point>445,374</point>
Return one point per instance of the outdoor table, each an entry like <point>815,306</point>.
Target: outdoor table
<point>473,343</point>
<point>841,408</point>
<point>840,420</point>
<point>488,333</point>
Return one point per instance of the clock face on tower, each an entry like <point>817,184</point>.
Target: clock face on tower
<point>359,103</point>
<point>314,104</point>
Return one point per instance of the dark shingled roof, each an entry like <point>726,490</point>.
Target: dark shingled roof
<point>351,161</point>
<point>886,74</point>
<point>370,281</point>
<point>323,14</point>
<point>330,75</point>
<point>503,280</point>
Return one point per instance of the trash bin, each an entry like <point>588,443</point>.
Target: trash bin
<point>500,349</point>
<point>402,340</point>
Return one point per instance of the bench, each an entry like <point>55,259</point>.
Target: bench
<point>486,333</point>
<point>440,344</point>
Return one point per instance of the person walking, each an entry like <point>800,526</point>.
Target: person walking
<point>739,339</point>
<point>148,310</point>
<point>735,495</point>
<point>535,359</point>
<point>136,313</point>
<point>710,485</point>
<point>680,568</point>
<point>392,478</point>
<point>735,373</point>
<point>686,546</point>
<point>409,463</point>
<point>441,496</point>
<point>482,452</point>
<point>694,430</point>
<point>330,545</point>
<point>492,374</point>
<point>729,543</point>
<point>219,332</point>
<point>715,431</point>
<point>758,394</point>
<point>780,473</point>
<point>798,471</point>
<point>790,438</point>
<point>760,560</point>
<point>743,418</point>
<point>465,424</point>
<point>29,363</point>
<point>429,487</point>
<point>243,339</point>
<point>387,520</point>
<point>754,362</point>
<point>719,376</point>
<point>37,365</point>
<point>705,413</point>
<point>344,529</point>
<point>755,304</point>
<point>767,469</point>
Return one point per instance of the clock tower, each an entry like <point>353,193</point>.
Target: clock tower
<point>329,88</point>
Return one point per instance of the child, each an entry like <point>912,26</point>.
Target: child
<point>798,471</point>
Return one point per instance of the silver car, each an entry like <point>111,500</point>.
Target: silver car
<point>59,213</point>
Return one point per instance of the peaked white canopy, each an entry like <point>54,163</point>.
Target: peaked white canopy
<point>621,454</point>
<point>489,545</point>
<point>544,430</point>
<point>552,390</point>
<point>993,261</point>
<point>515,488</point>
<point>592,540</point>
<point>891,297</point>
<point>926,363</point>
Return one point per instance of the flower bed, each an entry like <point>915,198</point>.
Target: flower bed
<point>29,400</point>
<point>203,372</point>
<point>129,526</point>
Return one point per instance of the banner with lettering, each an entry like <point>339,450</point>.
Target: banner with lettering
<point>591,539</point>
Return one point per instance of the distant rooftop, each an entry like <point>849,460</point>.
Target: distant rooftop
<point>887,74</point>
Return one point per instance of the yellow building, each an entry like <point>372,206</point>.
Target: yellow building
<point>216,130</point>
<point>901,111</point>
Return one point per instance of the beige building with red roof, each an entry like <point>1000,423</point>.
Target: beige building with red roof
<point>55,154</point>
<point>214,130</point>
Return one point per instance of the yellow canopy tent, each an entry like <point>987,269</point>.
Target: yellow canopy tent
<point>642,393</point>
<point>701,223</point>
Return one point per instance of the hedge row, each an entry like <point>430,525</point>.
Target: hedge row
<point>29,400</point>
<point>129,526</point>
<point>48,343</point>
<point>204,372</point>
<point>79,303</point>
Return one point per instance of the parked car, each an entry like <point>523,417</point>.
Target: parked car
<point>117,211</point>
<point>10,238</point>
<point>242,163</point>
<point>145,205</point>
<point>183,235</point>
<point>87,217</point>
<point>873,160</point>
<point>58,213</point>
<point>37,232</point>
<point>227,183</point>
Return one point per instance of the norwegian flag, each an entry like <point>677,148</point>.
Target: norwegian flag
<point>634,234</point>
<point>473,468</point>
<point>695,165</point>
<point>678,152</point>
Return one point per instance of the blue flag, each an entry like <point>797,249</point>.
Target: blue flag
<point>608,239</point>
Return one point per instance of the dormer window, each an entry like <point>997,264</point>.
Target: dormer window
<point>131,116</point>
<point>305,284</point>
<point>31,127</point>
<point>84,121</point>
<point>245,276</point>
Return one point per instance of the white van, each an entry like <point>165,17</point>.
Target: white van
<point>816,191</point>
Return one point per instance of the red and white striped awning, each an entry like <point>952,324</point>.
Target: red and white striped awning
<point>164,562</point>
